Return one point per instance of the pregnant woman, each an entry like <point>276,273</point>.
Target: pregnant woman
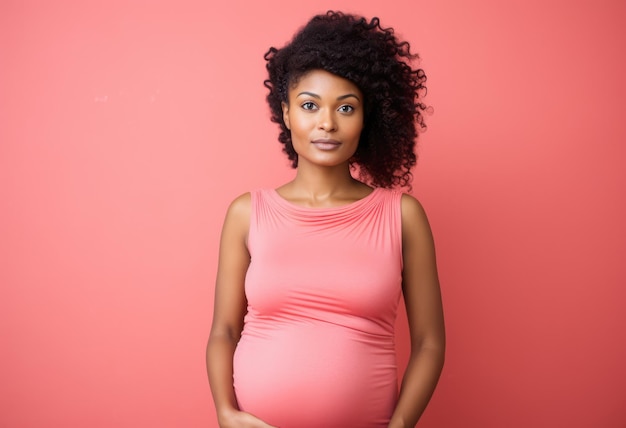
<point>311,273</point>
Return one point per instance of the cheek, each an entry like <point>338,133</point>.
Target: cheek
<point>300,123</point>
<point>357,128</point>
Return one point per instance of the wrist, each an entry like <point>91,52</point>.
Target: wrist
<point>225,413</point>
<point>397,422</point>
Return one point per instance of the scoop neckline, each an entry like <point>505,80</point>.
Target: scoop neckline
<point>347,206</point>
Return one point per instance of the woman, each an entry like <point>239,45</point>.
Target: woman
<point>310,274</point>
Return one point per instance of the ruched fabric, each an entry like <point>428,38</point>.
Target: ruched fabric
<point>323,287</point>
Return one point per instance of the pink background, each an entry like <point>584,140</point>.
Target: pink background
<point>127,127</point>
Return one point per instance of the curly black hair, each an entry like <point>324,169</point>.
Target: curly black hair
<point>378,63</point>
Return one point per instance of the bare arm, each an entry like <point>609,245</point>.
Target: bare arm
<point>228,314</point>
<point>425,315</point>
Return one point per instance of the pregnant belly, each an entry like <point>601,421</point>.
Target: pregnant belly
<point>316,375</point>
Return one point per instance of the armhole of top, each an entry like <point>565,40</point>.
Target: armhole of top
<point>398,220</point>
<point>254,201</point>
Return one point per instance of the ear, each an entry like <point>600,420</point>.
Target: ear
<point>285,107</point>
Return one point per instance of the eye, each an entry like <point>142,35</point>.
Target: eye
<point>346,109</point>
<point>308,105</point>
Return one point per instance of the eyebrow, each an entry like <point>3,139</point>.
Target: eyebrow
<point>342,97</point>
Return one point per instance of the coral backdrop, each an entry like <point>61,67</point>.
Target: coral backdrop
<point>126,127</point>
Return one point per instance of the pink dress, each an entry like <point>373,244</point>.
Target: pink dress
<point>323,287</point>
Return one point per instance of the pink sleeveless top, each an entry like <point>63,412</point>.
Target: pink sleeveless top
<point>323,287</point>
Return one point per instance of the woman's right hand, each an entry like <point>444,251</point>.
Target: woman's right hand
<point>239,419</point>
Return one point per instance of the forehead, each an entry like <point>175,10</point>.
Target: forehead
<point>322,82</point>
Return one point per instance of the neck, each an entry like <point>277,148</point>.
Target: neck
<point>321,181</point>
<point>316,186</point>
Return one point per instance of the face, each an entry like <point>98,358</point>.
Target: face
<point>325,117</point>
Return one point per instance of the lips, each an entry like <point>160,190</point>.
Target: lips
<point>326,144</point>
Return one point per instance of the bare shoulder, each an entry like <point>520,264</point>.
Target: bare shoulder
<point>237,221</point>
<point>240,206</point>
<point>416,232</point>
<point>411,205</point>
<point>413,213</point>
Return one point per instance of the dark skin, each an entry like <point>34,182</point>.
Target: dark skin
<point>325,117</point>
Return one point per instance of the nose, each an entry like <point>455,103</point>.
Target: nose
<point>327,120</point>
